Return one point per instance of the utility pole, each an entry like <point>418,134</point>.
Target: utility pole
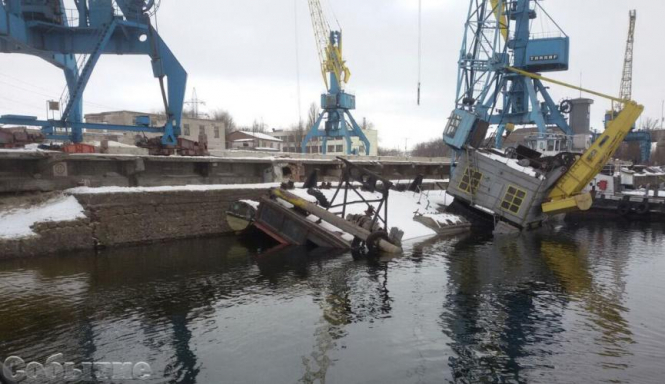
<point>194,102</point>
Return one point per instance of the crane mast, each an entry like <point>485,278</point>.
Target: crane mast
<point>643,138</point>
<point>498,34</point>
<point>627,78</point>
<point>336,104</point>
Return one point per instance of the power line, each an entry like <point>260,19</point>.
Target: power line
<point>194,102</point>
<point>50,96</point>
<point>26,83</point>
<point>32,106</point>
<point>26,90</point>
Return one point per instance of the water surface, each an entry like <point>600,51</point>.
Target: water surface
<point>578,304</point>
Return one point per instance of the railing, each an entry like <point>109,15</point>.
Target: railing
<point>546,35</point>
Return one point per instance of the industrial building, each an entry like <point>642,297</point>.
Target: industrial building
<point>253,141</point>
<point>335,146</point>
<point>191,127</point>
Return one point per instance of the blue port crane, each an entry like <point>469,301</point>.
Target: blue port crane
<point>336,104</point>
<point>626,93</point>
<point>498,34</point>
<point>74,40</point>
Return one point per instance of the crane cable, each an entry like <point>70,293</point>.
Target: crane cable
<point>332,12</point>
<point>157,52</point>
<point>420,39</point>
<point>295,11</point>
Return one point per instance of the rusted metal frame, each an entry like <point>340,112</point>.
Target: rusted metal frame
<point>332,219</point>
<point>346,182</point>
<point>342,180</point>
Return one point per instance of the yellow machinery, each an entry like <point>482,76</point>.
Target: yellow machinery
<point>329,46</point>
<point>567,193</point>
<point>336,104</point>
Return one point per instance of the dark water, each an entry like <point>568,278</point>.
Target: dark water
<point>579,304</point>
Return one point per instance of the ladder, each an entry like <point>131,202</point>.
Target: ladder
<point>85,64</point>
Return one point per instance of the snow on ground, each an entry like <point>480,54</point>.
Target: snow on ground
<point>16,223</point>
<point>114,144</point>
<point>185,188</point>
<point>198,187</point>
<point>402,207</point>
<point>251,203</point>
<point>31,148</point>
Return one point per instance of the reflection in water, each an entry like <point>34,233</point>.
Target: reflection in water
<point>345,296</point>
<point>569,305</point>
<point>602,302</point>
<point>492,313</point>
<point>507,299</point>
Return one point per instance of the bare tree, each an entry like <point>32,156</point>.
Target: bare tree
<point>381,151</point>
<point>299,131</point>
<point>225,118</point>
<point>649,124</point>
<point>159,113</point>
<point>432,148</point>
<point>366,124</point>
<point>190,113</point>
<point>312,115</point>
<point>257,127</point>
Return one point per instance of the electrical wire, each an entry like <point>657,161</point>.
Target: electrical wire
<point>28,105</point>
<point>25,82</point>
<point>50,96</point>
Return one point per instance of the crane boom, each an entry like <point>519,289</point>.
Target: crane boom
<point>567,192</point>
<point>627,77</point>
<point>329,46</point>
<point>500,15</point>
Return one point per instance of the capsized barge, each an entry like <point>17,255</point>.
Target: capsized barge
<point>352,215</point>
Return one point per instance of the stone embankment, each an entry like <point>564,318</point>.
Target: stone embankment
<point>117,218</point>
<point>90,218</point>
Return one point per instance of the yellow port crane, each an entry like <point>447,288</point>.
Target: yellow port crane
<point>329,49</point>
<point>336,104</point>
<point>567,193</point>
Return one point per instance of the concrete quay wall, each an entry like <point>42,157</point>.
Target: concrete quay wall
<point>118,219</point>
<point>27,172</point>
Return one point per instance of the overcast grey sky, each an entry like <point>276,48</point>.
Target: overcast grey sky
<point>241,56</point>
